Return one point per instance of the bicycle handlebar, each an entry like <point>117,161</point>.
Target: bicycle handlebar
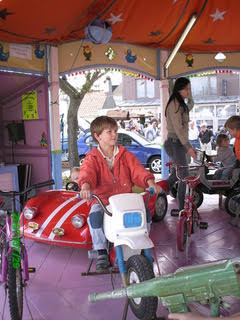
<point>34,186</point>
<point>186,178</point>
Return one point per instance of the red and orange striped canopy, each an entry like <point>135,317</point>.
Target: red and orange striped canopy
<point>152,23</point>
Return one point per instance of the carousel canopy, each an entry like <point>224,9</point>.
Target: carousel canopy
<point>155,23</point>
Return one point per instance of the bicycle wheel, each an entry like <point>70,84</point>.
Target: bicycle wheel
<point>194,221</point>
<point>182,233</point>
<point>160,210</point>
<point>139,269</point>
<point>15,289</point>
<point>198,197</point>
<point>2,245</point>
<point>232,203</point>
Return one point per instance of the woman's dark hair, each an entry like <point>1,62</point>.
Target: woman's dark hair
<point>179,85</point>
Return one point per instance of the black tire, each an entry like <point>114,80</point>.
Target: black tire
<point>81,158</point>
<point>198,198</point>
<point>173,190</point>
<point>2,245</point>
<point>15,289</point>
<point>139,269</point>
<point>232,203</point>
<point>161,207</point>
<point>182,233</point>
<point>155,164</point>
<point>194,221</point>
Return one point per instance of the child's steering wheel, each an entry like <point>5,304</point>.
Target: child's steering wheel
<point>73,186</point>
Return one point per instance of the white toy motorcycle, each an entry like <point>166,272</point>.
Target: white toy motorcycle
<point>125,226</point>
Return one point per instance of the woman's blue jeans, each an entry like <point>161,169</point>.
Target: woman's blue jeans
<point>177,153</point>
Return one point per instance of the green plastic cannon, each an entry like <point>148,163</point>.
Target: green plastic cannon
<point>205,283</point>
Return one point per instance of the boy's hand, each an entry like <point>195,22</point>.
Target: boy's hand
<point>155,186</point>
<point>85,192</point>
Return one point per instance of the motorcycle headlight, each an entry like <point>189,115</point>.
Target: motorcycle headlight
<point>78,221</point>
<point>29,213</point>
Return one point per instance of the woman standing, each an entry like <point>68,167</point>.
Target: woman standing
<point>177,144</point>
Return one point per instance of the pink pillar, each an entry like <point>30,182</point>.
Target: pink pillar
<point>54,99</point>
<point>56,151</point>
<point>164,99</point>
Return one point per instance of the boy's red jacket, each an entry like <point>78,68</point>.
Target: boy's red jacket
<point>126,172</point>
<point>237,146</point>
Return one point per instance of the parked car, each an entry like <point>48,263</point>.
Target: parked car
<point>148,153</point>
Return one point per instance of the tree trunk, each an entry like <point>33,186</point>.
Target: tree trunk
<point>76,98</point>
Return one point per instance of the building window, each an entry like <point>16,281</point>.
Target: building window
<point>140,88</point>
<point>224,87</point>
<point>204,86</point>
<point>150,89</point>
<point>145,89</point>
<point>226,111</point>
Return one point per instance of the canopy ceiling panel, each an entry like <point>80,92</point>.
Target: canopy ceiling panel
<point>155,23</point>
<point>201,62</point>
<point>72,57</point>
<point>13,85</point>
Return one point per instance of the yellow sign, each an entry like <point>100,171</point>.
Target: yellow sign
<point>29,105</point>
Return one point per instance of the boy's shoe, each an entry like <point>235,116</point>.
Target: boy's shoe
<point>102,263</point>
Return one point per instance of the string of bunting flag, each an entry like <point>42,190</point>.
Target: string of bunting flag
<point>125,72</point>
<point>208,73</point>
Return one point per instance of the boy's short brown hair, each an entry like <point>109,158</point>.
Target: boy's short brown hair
<point>101,123</point>
<point>233,123</point>
<point>220,138</point>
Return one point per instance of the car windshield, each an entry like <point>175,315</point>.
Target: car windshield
<point>140,138</point>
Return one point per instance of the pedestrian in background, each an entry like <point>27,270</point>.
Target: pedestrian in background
<point>206,137</point>
<point>193,134</point>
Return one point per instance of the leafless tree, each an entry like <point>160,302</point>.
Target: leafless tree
<point>76,96</point>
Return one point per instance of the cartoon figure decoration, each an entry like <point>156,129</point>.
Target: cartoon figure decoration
<point>87,52</point>
<point>129,57</point>
<point>44,140</point>
<point>110,53</point>
<point>38,52</point>
<point>3,55</point>
<point>189,59</point>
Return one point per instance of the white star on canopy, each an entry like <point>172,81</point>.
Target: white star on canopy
<point>114,18</point>
<point>218,15</point>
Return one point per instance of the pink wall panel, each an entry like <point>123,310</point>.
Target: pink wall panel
<point>32,152</point>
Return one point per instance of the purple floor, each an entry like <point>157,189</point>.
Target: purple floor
<point>58,291</point>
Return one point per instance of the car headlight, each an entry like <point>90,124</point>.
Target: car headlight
<point>58,232</point>
<point>78,221</point>
<point>30,213</point>
<point>33,225</point>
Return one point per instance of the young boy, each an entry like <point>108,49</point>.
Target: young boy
<point>108,170</point>
<point>225,155</point>
<point>74,173</point>
<point>233,126</point>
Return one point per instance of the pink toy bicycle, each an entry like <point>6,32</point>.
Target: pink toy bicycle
<point>189,217</point>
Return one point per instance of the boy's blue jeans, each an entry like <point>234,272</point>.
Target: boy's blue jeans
<point>177,153</point>
<point>95,222</point>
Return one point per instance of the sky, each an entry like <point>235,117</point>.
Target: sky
<point>101,84</point>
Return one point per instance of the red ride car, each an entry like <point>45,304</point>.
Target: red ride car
<point>59,217</point>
